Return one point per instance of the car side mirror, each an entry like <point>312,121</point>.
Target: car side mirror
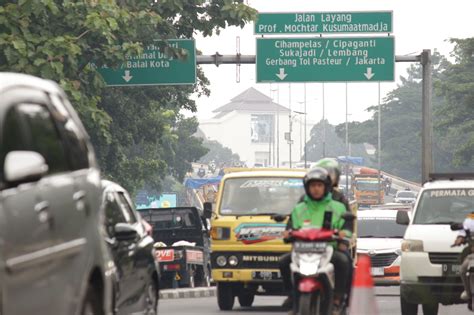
<point>24,167</point>
<point>207,212</point>
<point>125,232</point>
<point>402,217</point>
<point>456,226</point>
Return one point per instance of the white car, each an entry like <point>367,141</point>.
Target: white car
<point>380,237</point>
<point>430,267</point>
<point>405,196</point>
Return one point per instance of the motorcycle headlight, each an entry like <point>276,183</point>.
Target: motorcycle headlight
<point>412,246</point>
<point>221,261</point>
<point>233,261</point>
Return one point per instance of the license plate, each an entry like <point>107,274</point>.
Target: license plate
<point>266,275</point>
<point>377,271</point>
<point>310,247</point>
<point>451,269</point>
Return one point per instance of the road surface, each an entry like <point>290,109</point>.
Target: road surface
<point>387,300</point>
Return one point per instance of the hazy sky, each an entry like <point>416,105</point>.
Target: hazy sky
<point>417,25</point>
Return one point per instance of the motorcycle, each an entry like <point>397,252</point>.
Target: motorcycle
<point>312,271</point>
<point>468,253</point>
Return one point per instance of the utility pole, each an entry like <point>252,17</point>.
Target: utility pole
<point>289,122</point>
<point>379,145</point>
<point>426,135</point>
<point>347,142</point>
<point>324,125</point>
<point>278,126</point>
<point>305,130</point>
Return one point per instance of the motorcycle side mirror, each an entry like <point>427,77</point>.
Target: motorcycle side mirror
<point>456,226</point>
<point>348,216</point>
<point>279,217</point>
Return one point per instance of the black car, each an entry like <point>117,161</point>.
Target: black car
<point>183,245</point>
<point>137,280</point>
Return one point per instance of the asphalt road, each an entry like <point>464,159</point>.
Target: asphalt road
<point>387,301</point>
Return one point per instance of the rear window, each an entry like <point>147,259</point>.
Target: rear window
<point>379,228</point>
<point>171,219</point>
<point>443,206</point>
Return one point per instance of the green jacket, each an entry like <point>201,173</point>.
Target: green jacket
<point>311,213</point>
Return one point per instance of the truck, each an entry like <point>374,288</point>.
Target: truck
<point>182,247</point>
<point>366,188</point>
<point>246,242</point>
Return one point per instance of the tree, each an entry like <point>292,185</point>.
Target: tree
<point>456,116</point>
<point>334,147</point>
<point>218,153</point>
<point>401,125</point>
<point>138,133</point>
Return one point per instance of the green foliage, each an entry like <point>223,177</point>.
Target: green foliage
<point>453,133</point>
<point>219,154</point>
<point>138,133</point>
<point>335,146</point>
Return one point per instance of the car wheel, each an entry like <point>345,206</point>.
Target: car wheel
<point>225,296</point>
<point>246,299</point>
<point>408,308</point>
<point>92,303</point>
<point>151,299</point>
<point>430,309</point>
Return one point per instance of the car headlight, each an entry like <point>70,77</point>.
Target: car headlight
<point>398,251</point>
<point>233,261</point>
<point>412,246</point>
<point>221,261</point>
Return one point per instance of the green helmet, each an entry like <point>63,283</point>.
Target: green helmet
<point>332,166</point>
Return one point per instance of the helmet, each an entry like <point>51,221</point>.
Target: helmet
<point>317,174</point>
<point>332,166</point>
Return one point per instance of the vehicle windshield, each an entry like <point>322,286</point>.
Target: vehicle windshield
<point>442,206</point>
<point>367,185</point>
<point>379,228</point>
<point>259,195</point>
<point>406,194</point>
<point>170,219</point>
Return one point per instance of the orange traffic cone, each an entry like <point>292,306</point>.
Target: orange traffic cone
<point>363,295</point>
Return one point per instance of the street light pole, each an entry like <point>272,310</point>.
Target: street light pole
<point>289,122</point>
<point>305,130</point>
<point>324,125</point>
<point>379,145</point>
<point>347,141</point>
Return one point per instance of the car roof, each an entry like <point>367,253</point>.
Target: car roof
<point>464,183</point>
<point>266,173</point>
<point>10,80</point>
<point>110,186</point>
<point>377,213</point>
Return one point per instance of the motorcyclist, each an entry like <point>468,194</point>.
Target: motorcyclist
<point>334,172</point>
<point>310,212</point>
<point>468,225</point>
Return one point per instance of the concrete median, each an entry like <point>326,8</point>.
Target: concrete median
<point>187,293</point>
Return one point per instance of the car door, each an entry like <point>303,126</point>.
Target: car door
<point>143,261</point>
<point>122,252</point>
<point>79,206</point>
<point>28,235</point>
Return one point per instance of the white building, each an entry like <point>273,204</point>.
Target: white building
<point>254,127</point>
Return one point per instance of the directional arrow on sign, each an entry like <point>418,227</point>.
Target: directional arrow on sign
<point>282,75</point>
<point>127,77</point>
<point>369,75</point>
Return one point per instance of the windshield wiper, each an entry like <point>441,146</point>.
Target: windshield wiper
<point>440,222</point>
<point>368,236</point>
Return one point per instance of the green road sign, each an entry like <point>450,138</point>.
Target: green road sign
<point>348,59</point>
<point>324,22</point>
<point>153,67</point>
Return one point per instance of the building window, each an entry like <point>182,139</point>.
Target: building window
<point>261,128</point>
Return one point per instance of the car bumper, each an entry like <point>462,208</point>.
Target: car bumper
<point>243,275</point>
<point>423,282</point>
<point>387,281</point>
